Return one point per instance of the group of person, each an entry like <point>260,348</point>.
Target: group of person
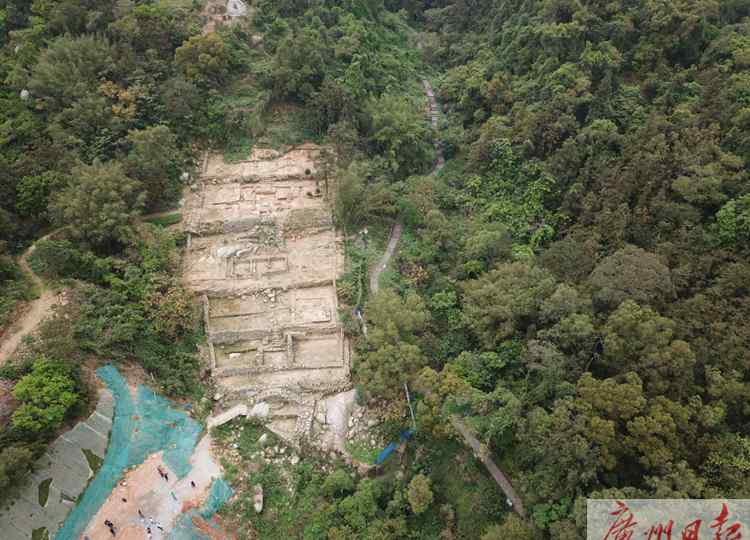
<point>111,526</point>
<point>147,523</point>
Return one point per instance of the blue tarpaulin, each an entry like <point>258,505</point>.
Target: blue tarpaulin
<point>388,450</point>
<point>141,426</point>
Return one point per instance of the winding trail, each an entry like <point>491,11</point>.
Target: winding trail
<point>433,112</point>
<point>382,264</point>
<point>41,307</point>
<point>458,424</point>
<point>38,309</point>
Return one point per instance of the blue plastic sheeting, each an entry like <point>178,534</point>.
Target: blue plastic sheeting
<point>149,424</point>
<point>184,528</point>
<point>388,450</point>
<point>220,493</point>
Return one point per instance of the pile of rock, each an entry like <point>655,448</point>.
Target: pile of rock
<point>269,234</point>
<point>362,429</point>
<point>304,424</point>
<point>276,455</point>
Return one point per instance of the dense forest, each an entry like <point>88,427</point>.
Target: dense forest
<point>574,284</point>
<point>584,254</point>
<point>99,113</point>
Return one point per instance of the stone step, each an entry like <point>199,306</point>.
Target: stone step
<point>227,416</point>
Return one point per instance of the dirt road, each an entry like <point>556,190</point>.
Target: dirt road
<point>37,311</point>
<point>41,307</point>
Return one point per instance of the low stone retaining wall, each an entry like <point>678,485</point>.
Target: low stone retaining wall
<point>63,472</point>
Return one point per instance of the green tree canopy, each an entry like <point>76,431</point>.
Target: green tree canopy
<point>361,197</point>
<point>505,300</point>
<point>419,493</point>
<point>390,356</point>
<point>401,135</point>
<point>204,59</point>
<point>155,160</point>
<point>15,463</point>
<point>395,318</point>
<point>46,395</point>
<point>34,191</point>
<point>638,339</point>
<point>512,527</point>
<point>631,273</point>
<point>99,204</point>
<point>70,68</point>
<point>733,222</point>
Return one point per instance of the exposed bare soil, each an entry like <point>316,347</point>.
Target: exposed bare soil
<point>264,254</point>
<point>36,311</point>
<point>160,501</point>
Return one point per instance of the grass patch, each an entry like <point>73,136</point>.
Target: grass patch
<point>291,493</point>
<point>240,149</point>
<point>95,462</point>
<point>40,534</point>
<point>222,433</point>
<point>245,433</point>
<point>250,432</point>
<point>390,278</point>
<point>165,220</point>
<point>352,286</point>
<point>291,500</point>
<point>286,126</point>
<point>178,4</point>
<point>362,253</point>
<point>378,235</point>
<point>460,480</point>
<point>231,472</point>
<point>362,452</point>
<point>44,491</point>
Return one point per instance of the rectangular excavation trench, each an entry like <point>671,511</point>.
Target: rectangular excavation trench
<point>265,257</point>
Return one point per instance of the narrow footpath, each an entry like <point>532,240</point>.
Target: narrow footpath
<point>382,264</point>
<point>433,112</point>
<point>464,430</point>
<point>37,311</point>
<point>40,308</point>
<point>493,469</point>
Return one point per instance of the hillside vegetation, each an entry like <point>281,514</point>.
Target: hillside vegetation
<point>574,284</point>
<point>584,254</point>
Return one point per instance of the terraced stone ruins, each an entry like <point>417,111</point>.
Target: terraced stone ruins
<point>264,255</point>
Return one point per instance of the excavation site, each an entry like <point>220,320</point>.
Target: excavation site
<point>264,256</point>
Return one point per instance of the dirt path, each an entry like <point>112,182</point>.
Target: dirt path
<point>38,309</point>
<point>458,424</point>
<point>433,113</point>
<point>41,307</point>
<point>494,470</point>
<point>163,213</point>
<point>382,264</point>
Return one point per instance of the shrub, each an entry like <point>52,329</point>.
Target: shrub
<point>46,395</point>
<point>62,259</point>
